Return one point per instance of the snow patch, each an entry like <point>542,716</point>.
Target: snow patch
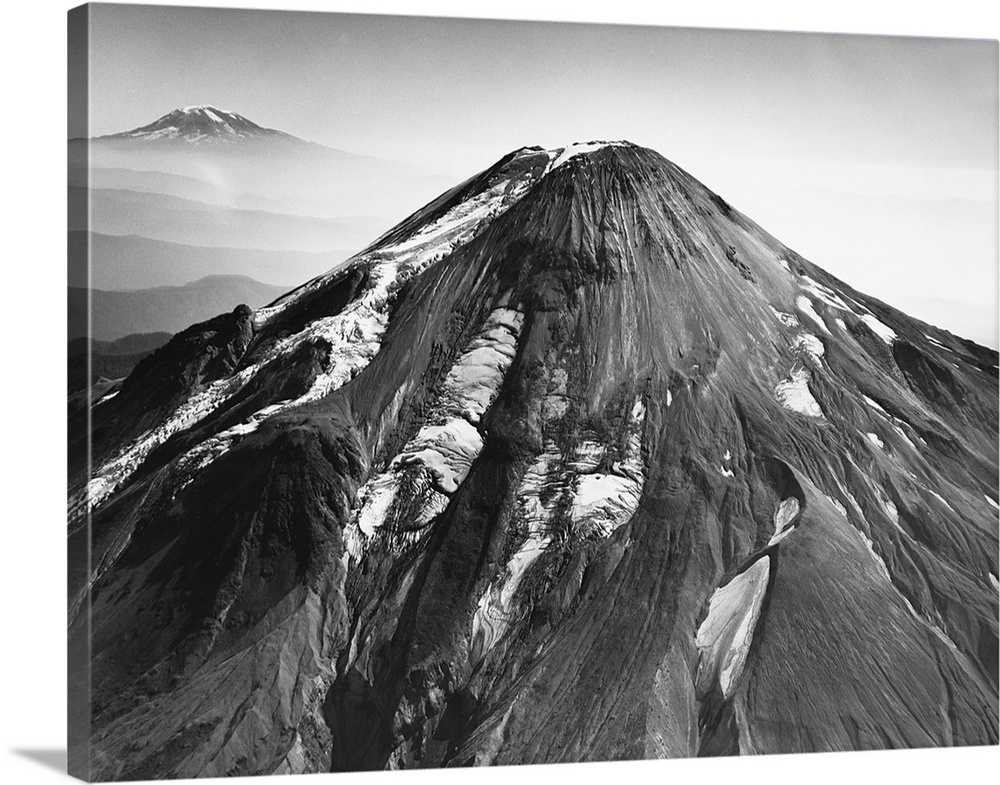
<point>207,108</point>
<point>805,305</point>
<point>993,504</point>
<point>938,343</point>
<point>883,331</point>
<point>783,517</point>
<point>787,319</point>
<point>578,148</point>
<point>809,345</point>
<point>887,505</point>
<point>587,456</point>
<point>873,438</point>
<point>784,263</point>
<point>823,293</point>
<point>995,582</point>
<point>603,502</point>
<point>435,462</point>
<point>724,638</point>
<point>794,394</point>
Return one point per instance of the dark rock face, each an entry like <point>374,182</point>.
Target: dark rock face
<point>577,463</point>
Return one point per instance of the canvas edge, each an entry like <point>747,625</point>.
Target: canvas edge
<point>78,559</point>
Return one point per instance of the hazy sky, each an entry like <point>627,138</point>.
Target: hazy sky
<point>874,157</point>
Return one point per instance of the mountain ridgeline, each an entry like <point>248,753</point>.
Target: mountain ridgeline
<point>575,463</point>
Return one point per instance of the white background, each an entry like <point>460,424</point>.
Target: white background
<point>32,260</point>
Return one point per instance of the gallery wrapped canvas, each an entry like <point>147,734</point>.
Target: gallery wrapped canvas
<point>451,392</point>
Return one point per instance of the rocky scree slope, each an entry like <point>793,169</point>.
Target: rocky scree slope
<point>576,463</point>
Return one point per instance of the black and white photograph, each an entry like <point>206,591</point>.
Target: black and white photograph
<point>448,391</point>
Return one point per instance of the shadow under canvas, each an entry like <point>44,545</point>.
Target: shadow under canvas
<point>50,758</point>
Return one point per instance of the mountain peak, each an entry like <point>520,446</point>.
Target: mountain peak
<point>575,411</point>
<point>201,123</point>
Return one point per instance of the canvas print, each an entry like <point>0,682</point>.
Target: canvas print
<point>451,392</point>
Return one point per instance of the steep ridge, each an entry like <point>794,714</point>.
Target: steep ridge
<point>576,463</point>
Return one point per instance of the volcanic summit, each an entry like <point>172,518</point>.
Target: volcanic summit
<point>575,463</point>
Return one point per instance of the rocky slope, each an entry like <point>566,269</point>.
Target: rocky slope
<point>575,463</point>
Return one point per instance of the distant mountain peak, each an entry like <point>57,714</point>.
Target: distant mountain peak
<point>202,123</point>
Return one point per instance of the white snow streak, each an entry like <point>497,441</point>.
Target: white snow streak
<point>870,546</point>
<point>824,293</point>
<point>805,305</point>
<point>938,343</point>
<point>883,331</point>
<point>355,334</point>
<point>579,148</point>
<point>429,244</point>
<point>840,507</point>
<point>436,461</point>
<point>875,405</point>
<point>941,499</point>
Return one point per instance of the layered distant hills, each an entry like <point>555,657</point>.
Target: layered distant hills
<point>202,192</point>
<point>116,314</point>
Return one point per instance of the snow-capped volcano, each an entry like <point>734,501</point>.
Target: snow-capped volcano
<point>201,124</point>
<point>575,463</point>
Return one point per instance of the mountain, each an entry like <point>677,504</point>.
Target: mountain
<point>203,125</point>
<point>200,178</point>
<point>205,153</point>
<point>116,314</point>
<point>574,463</point>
